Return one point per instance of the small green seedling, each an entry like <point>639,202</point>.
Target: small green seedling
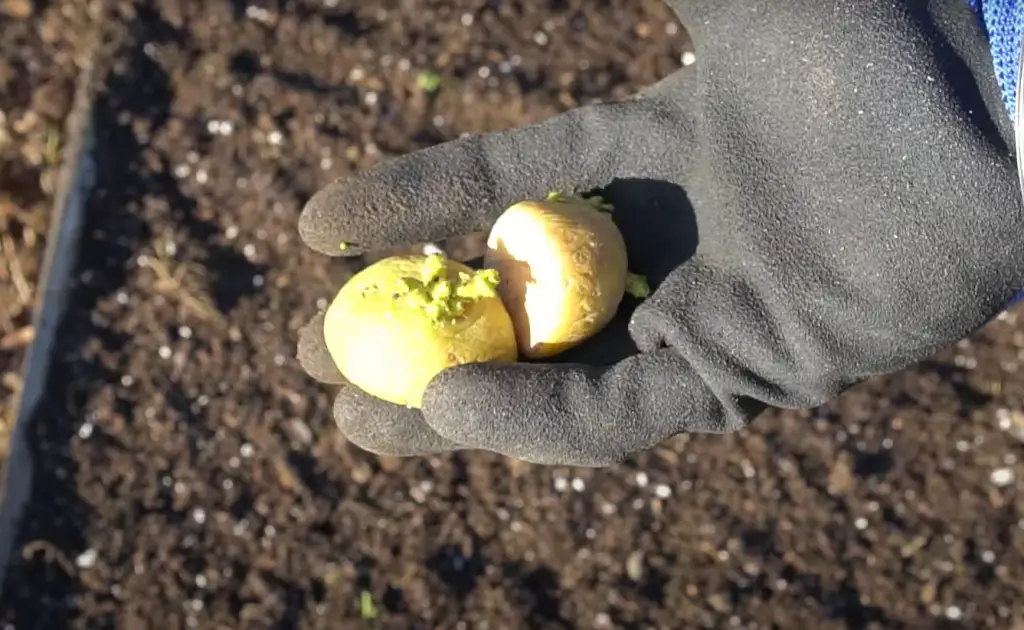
<point>367,608</point>
<point>429,81</point>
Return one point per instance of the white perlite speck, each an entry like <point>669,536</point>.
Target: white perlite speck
<point>87,559</point>
<point>1002,476</point>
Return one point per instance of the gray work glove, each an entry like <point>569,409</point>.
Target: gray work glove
<point>826,195</point>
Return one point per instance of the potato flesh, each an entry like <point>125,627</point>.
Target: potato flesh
<point>391,349</point>
<point>563,267</point>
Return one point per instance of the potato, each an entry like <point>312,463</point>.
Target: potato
<point>397,323</point>
<point>564,271</point>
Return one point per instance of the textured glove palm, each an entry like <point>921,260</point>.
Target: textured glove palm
<point>826,195</point>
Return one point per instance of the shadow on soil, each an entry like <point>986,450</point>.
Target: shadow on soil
<point>536,594</point>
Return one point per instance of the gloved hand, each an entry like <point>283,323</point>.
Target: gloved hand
<point>826,195</point>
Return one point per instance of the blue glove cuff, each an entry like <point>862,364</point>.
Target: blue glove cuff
<point>1003,22</point>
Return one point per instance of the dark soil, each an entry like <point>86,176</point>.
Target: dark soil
<point>188,474</point>
<point>39,57</point>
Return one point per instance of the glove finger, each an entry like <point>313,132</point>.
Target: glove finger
<point>384,428</point>
<point>572,414</point>
<point>312,353</point>
<point>461,186</point>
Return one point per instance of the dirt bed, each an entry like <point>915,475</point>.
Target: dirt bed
<point>188,474</point>
<point>39,62</point>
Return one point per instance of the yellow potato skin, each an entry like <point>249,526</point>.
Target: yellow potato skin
<point>563,266</point>
<point>391,348</point>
